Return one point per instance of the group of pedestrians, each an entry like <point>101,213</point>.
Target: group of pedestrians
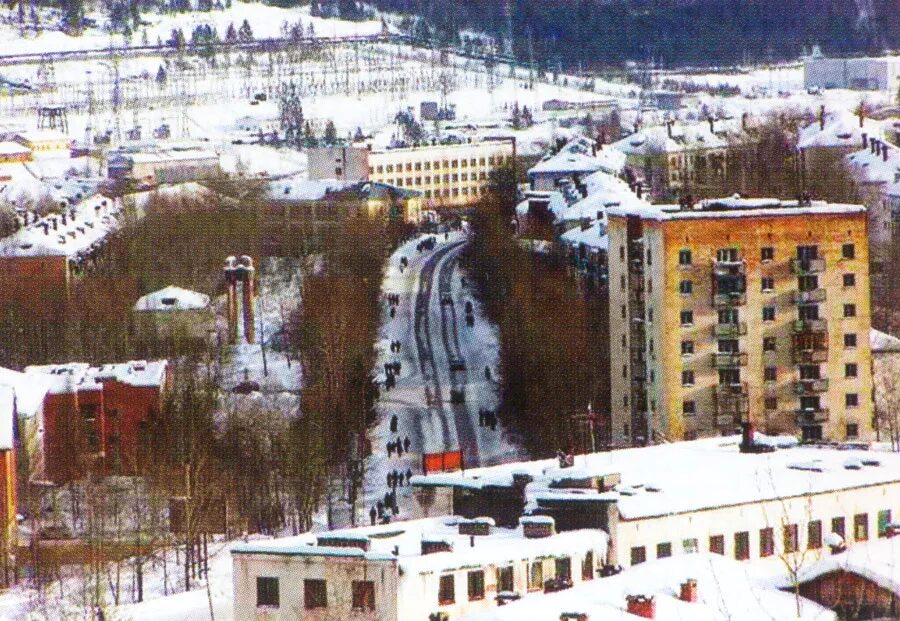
<point>393,300</point>
<point>391,373</point>
<point>404,263</point>
<point>398,446</point>
<point>395,478</point>
<point>395,347</point>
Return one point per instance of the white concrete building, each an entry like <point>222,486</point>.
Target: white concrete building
<point>409,571</point>
<point>763,506</point>
<point>880,74</point>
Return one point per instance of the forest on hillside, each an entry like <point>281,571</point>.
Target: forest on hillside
<point>593,33</point>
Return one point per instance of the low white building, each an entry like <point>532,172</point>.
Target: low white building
<point>764,505</point>
<point>872,73</point>
<point>176,313</point>
<point>409,571</point>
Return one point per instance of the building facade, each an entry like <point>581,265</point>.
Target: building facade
<point>739,310</point>
<point>879,74</point>
<point>448,175</point>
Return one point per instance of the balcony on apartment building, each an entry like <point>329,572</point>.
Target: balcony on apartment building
<point>810,326</point>
<point>810,347</point>
<point>728,360</point>
<point>732,404</point>
<point>808,416</point>
<point>811,386</point>
<point>807,266</point>
<point>730,330</point>
<point>813,296</point>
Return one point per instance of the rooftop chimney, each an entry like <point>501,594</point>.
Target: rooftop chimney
<point>689,591</point>
<point>641,606</point>
<point>537,526</point>
<point>479,526</point>
<point>822,117</point>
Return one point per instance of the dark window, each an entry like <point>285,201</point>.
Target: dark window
<point>686,287</point>
<point>771,403</point>
<point>684,257</point>
<point>808,282</point>
<point>687,318</point>
<point>663,550</point>
<point>767,253</point>
<point>689,408</point>
<point>849,310</point>
<point>687,378</point>
<point>768,283</point>
<point>837,526</point>
<point>728,346</point>
<point>769,343</point>
<point>729,255</point>
<point>808,312</point>
<point>638,555</point>
<point>446,590</point>
<point>807,253</point>
<point>717,544</point>
<point>315,594</point>
<point>728,316</point>
<point>848,251</point>
<point>770,374</point>
<point>809,371</point>
<point>852,430</point>
<point>587,566</point>
<point>768,313</point>
<point>884,520</point>
<point>687,348</point>
<point>851,399</point>
<point>363,595</point>
<point>861,526</point>
<point>267,591</point>
<point>742,546</point>
<point>849,280</point>
<point>729,377</point>
<point>766,542</point>
<point>791,538</point>
<point>850,340</point>
<point>850,369</point>
<point>649,257</point>
<point>536,576</point>
<point>814,535</point>
<point>476,584</point>
<point>563,570</point>
<point>505,579</point>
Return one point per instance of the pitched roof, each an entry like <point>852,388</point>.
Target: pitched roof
<point>172,298</point>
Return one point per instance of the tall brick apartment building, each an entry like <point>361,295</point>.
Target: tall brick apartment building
<point>101,412</point>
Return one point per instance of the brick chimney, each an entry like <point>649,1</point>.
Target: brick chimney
<point>821,117</point>
<point>537,526</point>
<point>641,606</point>
<point>689,591</point>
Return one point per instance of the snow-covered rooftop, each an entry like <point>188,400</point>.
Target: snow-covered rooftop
<point>501,545</point>
<point>79,376</point>
<point>842,129</point>
<point>13,148</point>
<point>20,395</point>
<point>877,560</point>
<point>93,219</point>
<point>726,591</point>
<point>660,139</point>
<point>556,202</point>
<point>172,298</point>
<point>699,474</point>
<point>735,207</point>
<point>593,237</point>
<point>303,189</point>
<point>874,168</point>
<point>881,342</point>
<point>580,156</point>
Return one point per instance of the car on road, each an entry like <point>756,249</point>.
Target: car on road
<point>457,364</point>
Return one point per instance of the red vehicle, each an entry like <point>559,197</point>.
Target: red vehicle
<point>447,461</point>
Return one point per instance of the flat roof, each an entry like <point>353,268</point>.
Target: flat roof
<point>699,474</point>
<point>502,545</point>
<point>80,376</point>
<point>735,207</point>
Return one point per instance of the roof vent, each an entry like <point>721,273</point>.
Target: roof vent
<point>537,526</point>
<point>479,526</point>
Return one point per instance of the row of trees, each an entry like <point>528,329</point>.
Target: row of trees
<point>553,338</point>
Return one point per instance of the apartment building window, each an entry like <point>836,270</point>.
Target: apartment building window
<point>849,310</point>
<point>766,542</point>
<point>848,251</point>
<point>884,520</point>
<point>728,316</point>
<point>409,181</point>
<point>849,340</point>
<point>861,527</point>
<point>408,166</point>
<point>649,257</point>
<point>851,400</point>
<point>768,313</point>
<point>742,546</point>
<point>687,378</point>
<point>267,591</point>
<point>464,177</point>
<point>768,284</point>
<point>767,253</point>
<point>315,594</point>
<point>852,430</point>
<point>791,538</point>
<point>624,311</point>
<point>769,343</point>
<point>536,576</point>
<point>807,253</point>
<point>418,165</point>
<point>446,590</point>
<point>686,287</point>
<point>684,257</point>
<point>808,312</point>
<point>837,526</point>
<point>727,255</point>
<point>717,544</point>
<point>638,555</point>
<point>621,253</point>
<point>664,550</point>
<point>427,165</point>
<point>363,595</point>
<point>687,348</point>
<point>454,177</point>
<point>770,403</point>
<point>624,341</point>
<point>390,168</point>
<point>810,372</point>
<point>814,535</point>
<point>481,161</point>
<point>729,377</point>
<point>446,178</point>
<point>625,404</point>
<point>770,374</point>
<point>687,318</point>
<point>476,585</point>
<point>728,346</point>
<point>473,161</point>
<point>689,408</point>
<point>380,169</point>
<point>690,546</point>
<point>625,371</point>
<point>491,160</point>
<point>850,370</point>
<point>427,193</point>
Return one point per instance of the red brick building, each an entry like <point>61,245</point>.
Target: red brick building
<point>99,414</point>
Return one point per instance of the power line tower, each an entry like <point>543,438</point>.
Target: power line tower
<point>508,49</point>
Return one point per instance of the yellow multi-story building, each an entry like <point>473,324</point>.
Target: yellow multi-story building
<point>448,175</point>
<point>739,310</point>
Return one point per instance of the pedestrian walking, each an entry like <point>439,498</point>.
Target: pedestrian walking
<point>399,447</point>
<point>394,423</point>
<point>406,444</point>
<point>390,449</point>
<point>393,312</point>
<point>372,515</point>
<point>487,373</point>
<point>481,417</point>
<point>408,476</point>
<point>389,476</point>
